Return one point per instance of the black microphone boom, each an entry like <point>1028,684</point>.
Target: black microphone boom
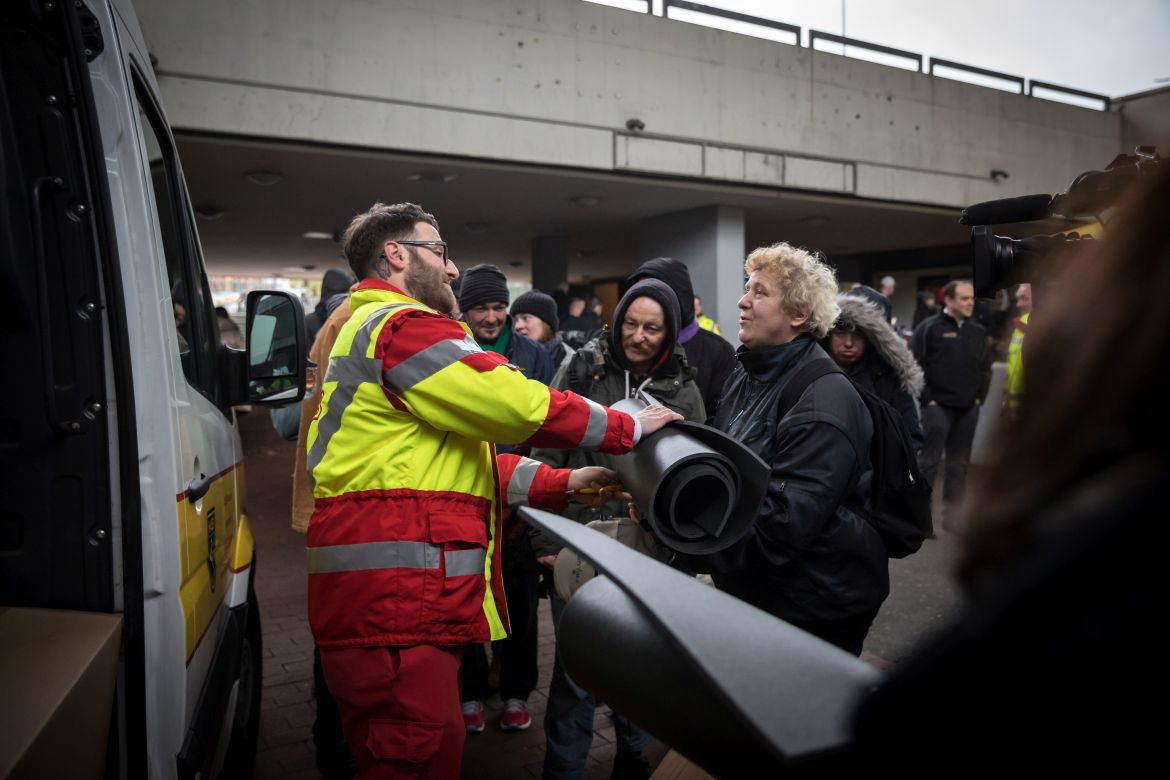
<point>1026,208</point>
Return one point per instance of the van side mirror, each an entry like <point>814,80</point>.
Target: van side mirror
<point>276,356</point>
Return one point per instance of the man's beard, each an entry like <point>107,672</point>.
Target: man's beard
<point>428,284</point>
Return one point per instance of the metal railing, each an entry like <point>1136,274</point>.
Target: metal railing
<point>725,14</point>
<point>820,35</point>
<point>935,61</point>
<point>1032,85</point>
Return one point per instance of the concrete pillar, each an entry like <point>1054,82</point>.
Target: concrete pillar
<point>710,241</point>
<point>550,263</point>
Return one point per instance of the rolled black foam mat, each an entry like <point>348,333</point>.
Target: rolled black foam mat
<point>699,489</point>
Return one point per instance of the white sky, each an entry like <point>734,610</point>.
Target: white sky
<point>1114,48</point>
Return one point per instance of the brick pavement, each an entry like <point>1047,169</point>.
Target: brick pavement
<point>287,709</point>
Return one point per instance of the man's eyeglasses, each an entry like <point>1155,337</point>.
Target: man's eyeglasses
<point>438,247</point>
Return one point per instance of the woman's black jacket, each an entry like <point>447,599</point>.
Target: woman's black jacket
<point>807,558</point>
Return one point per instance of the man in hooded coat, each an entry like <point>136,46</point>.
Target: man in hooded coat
<point>708,353</point>
<point>641,350</point>
<point>334,289</point>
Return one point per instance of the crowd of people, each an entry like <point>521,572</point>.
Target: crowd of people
<point>437,412</point>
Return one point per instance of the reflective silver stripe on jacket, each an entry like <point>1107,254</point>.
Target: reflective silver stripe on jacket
<point>595,430</point>
<point>348,371</point>
<point>428,362</point>
<point>464,563</point>
<point>394,555</point>
<point>521,482</point>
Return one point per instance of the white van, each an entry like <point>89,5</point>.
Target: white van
<point>122,474</point>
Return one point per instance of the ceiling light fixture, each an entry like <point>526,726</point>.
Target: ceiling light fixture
<point>432,177</point>
<point>318,235</point>
<point>208,211</point>
<point>264,178</point>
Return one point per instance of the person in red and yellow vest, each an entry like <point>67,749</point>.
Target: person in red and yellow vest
<point>403,544</point>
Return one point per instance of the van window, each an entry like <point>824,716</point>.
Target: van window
<point>193,315</point>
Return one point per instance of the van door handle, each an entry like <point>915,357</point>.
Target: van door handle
<point>198,487</point>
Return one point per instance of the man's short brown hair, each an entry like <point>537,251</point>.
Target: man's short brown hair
<point>363,239</point>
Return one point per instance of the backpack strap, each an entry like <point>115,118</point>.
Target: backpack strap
<point>805,376</point>
<point>800,381</point>
<point>586,368</point>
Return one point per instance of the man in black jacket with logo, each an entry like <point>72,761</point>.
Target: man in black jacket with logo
<point>952,350</point>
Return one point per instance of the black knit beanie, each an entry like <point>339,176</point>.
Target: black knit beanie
<point>538,304</point>
<point>483,283</point>
<point>675,274</point>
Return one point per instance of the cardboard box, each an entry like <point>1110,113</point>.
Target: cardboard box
<point>57,671</point>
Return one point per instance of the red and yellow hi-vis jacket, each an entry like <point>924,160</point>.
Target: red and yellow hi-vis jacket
<point>403,544</point>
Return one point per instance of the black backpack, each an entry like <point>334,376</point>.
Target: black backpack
<point>898,506</point>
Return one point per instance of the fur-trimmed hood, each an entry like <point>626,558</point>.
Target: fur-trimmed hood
<point>884,343</point>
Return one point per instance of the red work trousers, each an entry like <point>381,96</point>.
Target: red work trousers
<point>400,709</point>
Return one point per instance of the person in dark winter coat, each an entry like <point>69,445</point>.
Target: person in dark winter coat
<point>534,315</point>
<point>483,299</point>
<point>640,350</point>
<point>876,358</point>
<point>334,289</point>
<point>709,354</point>
<point>579,325</point>
<point>808,559</point>
<point>612,366</point>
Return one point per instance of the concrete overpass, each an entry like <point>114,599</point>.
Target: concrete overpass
<point>563,139</point>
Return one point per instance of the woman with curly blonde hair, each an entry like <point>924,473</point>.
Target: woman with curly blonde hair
<point>809,286</point>
<point>810,560</point>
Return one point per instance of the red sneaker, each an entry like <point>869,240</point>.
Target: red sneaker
<point>473,716</point>
<point>516,717</point>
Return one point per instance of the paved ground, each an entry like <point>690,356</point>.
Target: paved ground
<point>921,598</point>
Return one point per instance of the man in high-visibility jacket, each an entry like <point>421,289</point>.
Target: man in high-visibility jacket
<point>403,544</point>
<point>705,322</point>
<point>1014,373</point>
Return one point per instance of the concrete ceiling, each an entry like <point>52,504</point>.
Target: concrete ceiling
<point>490,212</point>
